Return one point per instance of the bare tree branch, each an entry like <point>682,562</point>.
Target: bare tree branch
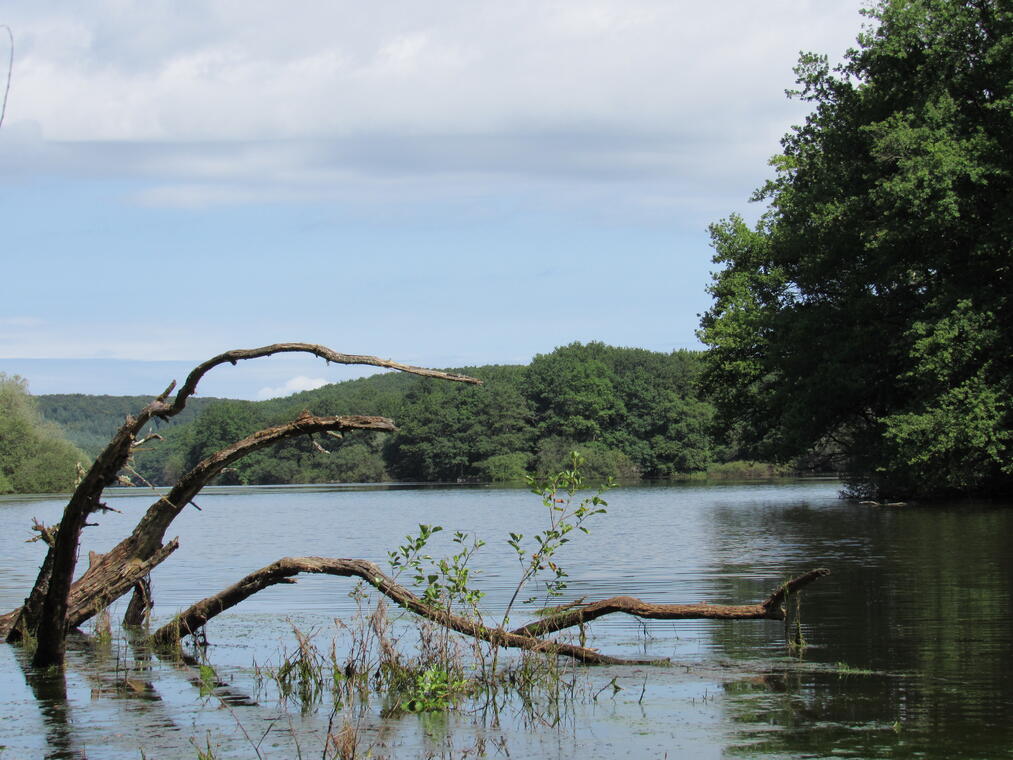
<point>284,569</point>
<point>769,609</point>
<point>54,618</point>
<point>237,355</point>
<point>527,637</point>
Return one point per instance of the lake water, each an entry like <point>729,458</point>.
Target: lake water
<point>909,642</point>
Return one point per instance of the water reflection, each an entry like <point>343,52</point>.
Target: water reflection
<point>910,641</point>
<point>49,687</point>
<point>913,633</point>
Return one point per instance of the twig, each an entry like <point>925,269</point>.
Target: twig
<point>10,72</point>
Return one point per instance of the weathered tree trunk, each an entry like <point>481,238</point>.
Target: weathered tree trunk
<point>14,625</point>
<point>528,637</point>
<point>63,603</point>
<point>140,605</point>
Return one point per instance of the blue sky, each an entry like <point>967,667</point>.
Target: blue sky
<point>442,183</point>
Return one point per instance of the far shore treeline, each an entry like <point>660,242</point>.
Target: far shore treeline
<point>633,413</point>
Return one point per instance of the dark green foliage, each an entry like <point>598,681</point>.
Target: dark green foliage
<point>599,461</point>
<point>630,413</point>
<point>503,468</point>
<point>446,429</point>
<point>867,315</point>
<point>34,455</point>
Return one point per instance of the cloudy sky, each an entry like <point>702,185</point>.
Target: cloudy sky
<point>443,183</point>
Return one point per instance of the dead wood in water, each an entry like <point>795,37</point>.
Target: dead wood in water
<point>57,602</point>
<point>769,609</point>
<point>528,637</point>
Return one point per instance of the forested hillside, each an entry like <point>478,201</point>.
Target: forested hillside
<point>633,413</point>
<point>90,421</point>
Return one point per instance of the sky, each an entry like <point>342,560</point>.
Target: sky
<point>446,184</point>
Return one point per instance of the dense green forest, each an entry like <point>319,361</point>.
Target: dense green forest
<point>633,413</point>
<point>34,455</point>
<point>867,315</point>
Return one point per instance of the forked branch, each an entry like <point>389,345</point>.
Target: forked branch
<point>53,617</point>
<point>240,354</point>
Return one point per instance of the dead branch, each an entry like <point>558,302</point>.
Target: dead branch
<point>284,570</point>
<point>769,609</point>
<point>237,355</point>
<point>54,616</point>
<point>140,604</point>
<point>119,570</point>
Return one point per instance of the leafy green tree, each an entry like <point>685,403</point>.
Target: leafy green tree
<point>446,430</point>
<point>600,461</point>
<point>629,411</point>
<point>34,456</point>
<point>632,412</point>
<point>867,312</point>
<point>573,393</point>
<point>90,421</point>
<point>682,438</point>
<point>504,468</point>
<point>219,426</point>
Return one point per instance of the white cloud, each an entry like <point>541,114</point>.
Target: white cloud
<point>263,101</point>
<point>293,385</point>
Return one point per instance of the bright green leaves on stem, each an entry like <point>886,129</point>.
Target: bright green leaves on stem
<point>565,512</point>
<point>435,690</point>
<point>446,582</point>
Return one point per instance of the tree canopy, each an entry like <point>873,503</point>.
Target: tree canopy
<point>866,315</point>
<point>629,411</point>
<point>34,456</point>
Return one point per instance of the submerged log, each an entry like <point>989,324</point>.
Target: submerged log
<point>769,609</point>
<point>195,617</point>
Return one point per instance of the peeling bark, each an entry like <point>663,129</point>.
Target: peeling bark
<point>140,605</point>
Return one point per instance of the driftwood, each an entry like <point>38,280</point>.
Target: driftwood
<point>283,571</point>
<point>56,603</point>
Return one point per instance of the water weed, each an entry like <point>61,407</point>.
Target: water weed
<point>435,690</point>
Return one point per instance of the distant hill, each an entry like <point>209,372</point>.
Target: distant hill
<point>90,421</point>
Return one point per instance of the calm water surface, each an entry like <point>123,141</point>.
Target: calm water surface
<point>910,641</point>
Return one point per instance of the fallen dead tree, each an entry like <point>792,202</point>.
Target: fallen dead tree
<point>283,571</point>
<point>57,603</point>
